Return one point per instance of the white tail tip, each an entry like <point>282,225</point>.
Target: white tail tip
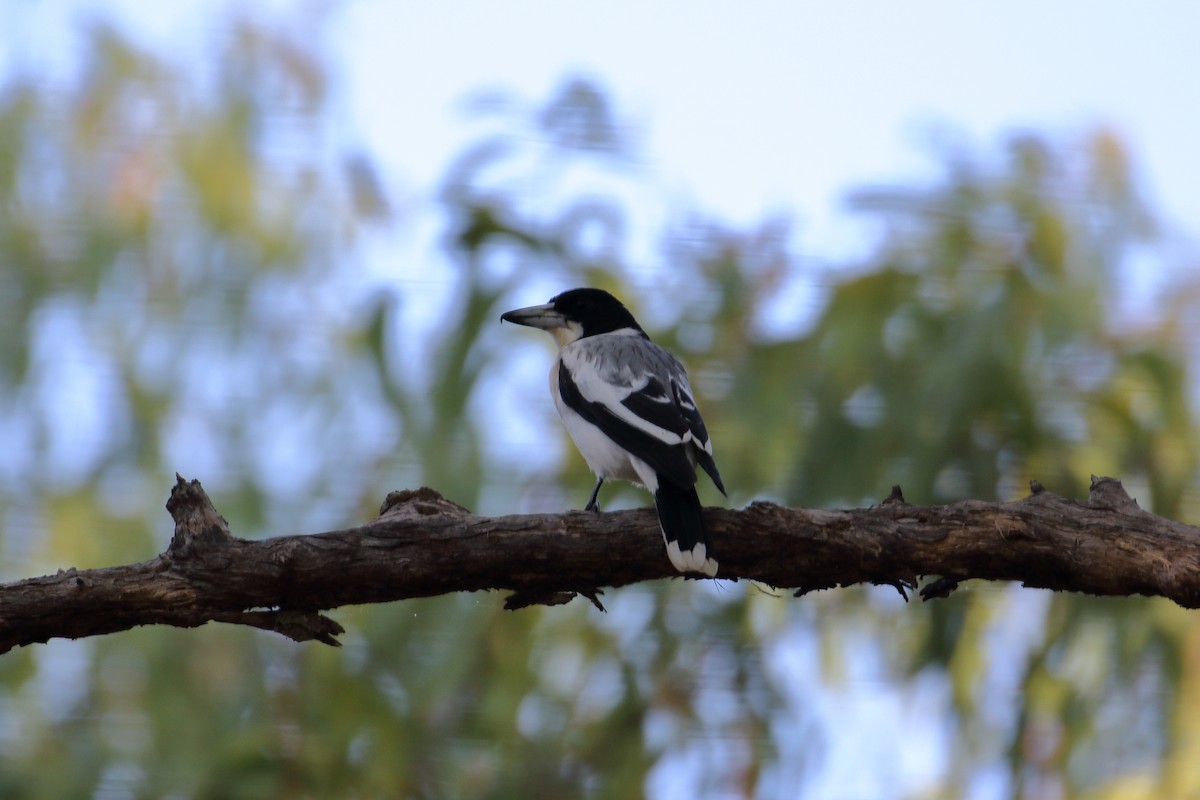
<point>694,560</point>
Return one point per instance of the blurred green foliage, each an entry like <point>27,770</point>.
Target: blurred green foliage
<point>181,253</point>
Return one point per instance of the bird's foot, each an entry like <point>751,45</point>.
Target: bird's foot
<point>592,505</point>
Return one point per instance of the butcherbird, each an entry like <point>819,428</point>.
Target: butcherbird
<point>628,407</point>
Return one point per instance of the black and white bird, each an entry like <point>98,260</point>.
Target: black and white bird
<point>629,409</point>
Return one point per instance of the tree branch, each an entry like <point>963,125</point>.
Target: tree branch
<point>423,544</point>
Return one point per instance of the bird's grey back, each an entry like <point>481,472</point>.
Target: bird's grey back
<point>626,360</point>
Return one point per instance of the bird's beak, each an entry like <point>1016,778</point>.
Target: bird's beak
<point>543,316</point>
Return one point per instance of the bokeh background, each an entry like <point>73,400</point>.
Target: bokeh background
<point>266,246</point>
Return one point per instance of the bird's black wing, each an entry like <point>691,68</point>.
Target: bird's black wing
<point>687,406</point>
<point>637,394</point>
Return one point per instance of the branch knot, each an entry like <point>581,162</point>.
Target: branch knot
<point>1109,493</point>
<point>198,526</point>
<point>423,502</point>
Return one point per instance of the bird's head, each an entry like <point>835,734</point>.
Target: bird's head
<point>575,314</point>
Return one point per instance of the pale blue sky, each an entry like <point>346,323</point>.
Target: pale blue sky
<point>761,106</point>
<point>751,107</point>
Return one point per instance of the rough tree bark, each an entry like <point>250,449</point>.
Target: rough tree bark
<point>423,544</point>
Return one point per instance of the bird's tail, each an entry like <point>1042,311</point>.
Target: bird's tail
<point>686,535</point>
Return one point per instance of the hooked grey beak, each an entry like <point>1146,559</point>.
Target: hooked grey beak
<point>543,316</point>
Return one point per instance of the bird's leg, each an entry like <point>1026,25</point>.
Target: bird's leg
<point>591,504</point>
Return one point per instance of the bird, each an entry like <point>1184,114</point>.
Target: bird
<point>628,407</point>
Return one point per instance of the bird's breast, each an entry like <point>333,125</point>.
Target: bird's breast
<point>604,457</point>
